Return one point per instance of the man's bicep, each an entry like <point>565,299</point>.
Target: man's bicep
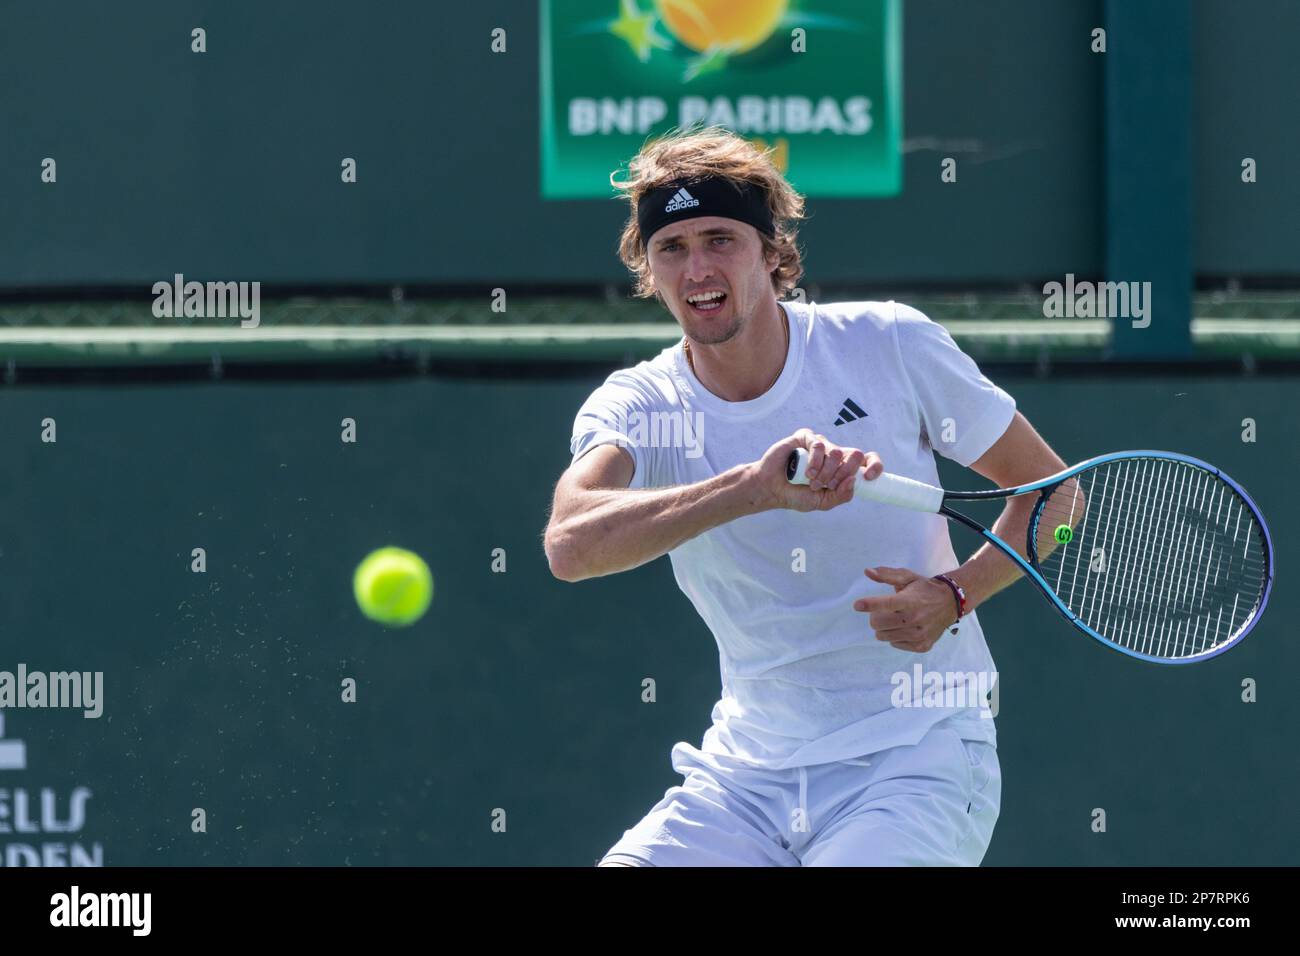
<point>1018,457</point>
<point>605,466</point>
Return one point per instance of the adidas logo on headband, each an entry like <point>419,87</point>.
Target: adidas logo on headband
<point>681,200</point>
<point>690,198</point>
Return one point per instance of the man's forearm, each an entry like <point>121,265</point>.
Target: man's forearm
<point>988,570</point>
<point>618,529</point>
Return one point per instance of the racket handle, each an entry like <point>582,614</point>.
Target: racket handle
<point>885,488</point>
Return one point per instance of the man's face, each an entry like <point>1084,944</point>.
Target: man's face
<point>691,259</point>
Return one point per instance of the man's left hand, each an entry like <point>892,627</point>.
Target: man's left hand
<point>915,616</point>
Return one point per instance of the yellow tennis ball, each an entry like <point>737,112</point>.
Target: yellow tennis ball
<point>393,586</point>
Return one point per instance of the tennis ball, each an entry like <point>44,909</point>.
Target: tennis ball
<point>393,586</point>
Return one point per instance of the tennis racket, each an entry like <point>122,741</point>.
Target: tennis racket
<point>1155,554</point>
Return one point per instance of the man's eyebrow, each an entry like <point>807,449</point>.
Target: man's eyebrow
<point>715,231</point>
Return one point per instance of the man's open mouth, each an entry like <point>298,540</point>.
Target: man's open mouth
<point>705,303</point>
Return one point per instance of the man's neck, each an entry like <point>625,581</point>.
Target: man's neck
<point>747,366</point>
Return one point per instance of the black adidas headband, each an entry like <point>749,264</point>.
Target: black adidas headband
<point>712,196</point>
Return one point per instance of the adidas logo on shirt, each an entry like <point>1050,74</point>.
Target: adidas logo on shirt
<point>850,413</point>
<point>681,200</point>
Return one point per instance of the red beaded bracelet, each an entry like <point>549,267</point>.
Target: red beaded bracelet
<point>958,594</point>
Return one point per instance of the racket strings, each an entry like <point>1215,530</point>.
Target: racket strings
<point>1150,595</point>
<point>1156,555</point>
<point>1154,608</point>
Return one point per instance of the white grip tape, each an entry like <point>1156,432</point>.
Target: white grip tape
<point>899,491</point>
<point>886,488</point>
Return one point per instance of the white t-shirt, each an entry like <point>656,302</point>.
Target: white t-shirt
<point>804,681</point>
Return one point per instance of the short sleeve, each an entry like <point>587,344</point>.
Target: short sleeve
<point>610,415</point>
<point>963,414</point>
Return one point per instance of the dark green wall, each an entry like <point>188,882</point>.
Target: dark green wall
<point>1244,101</point>
<point>518,691</point>
<point>225,165</point>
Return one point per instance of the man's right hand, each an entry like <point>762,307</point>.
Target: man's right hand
<point>832,472</point>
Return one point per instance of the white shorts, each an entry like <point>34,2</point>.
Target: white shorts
<point>931,804</point>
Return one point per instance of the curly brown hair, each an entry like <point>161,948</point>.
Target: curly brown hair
<point>711,151</point>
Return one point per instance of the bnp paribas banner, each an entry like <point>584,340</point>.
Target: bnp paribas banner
<point>819,81</point>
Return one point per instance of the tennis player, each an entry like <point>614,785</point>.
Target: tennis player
<point>836,619</point>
